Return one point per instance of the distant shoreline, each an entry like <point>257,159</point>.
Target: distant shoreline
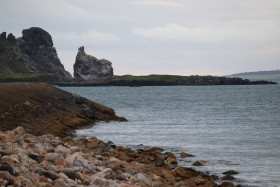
<point>163,80</point>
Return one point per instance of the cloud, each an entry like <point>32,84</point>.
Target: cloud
<point>88,38</point>
<point>156,3</point>
<point>248,30</point>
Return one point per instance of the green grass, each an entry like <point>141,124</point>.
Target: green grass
<point>26,78</point>
<point>8,64</point>
<point>169,80</point>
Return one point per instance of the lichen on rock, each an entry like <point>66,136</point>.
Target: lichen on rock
<point>88,67</point>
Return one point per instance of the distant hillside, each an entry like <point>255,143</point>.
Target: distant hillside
<point>163,80</point>
<point>259,75</point>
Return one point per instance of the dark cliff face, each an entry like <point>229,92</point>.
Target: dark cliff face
<point>88,67</point>
<point>35,51</point>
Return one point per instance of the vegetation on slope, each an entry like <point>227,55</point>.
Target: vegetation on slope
<point>26,78</point>
<point>8,64</point>
<point>163,80</point>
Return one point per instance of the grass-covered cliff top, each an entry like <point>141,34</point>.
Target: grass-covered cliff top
<point>163,80</point>
<point>24,77</point>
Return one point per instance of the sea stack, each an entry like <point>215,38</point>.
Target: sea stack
<point>88,67</point>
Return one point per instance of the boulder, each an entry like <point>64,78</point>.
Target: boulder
<point>198,163</point>
<point>185,173</point>
<point>88,67</point>
<point>226,184</point>
<point>228,177</point>
<point>183,155</point>
<point>231,172</point>
<point>143,179</point>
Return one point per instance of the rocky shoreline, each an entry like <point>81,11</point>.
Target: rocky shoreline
<point>39,147</point>
<point>44,109</point>
<point>48,160</point>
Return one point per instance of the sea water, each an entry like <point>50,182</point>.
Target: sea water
<point>231,127</point>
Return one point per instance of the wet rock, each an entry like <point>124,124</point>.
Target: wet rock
<point>226,184</point>
<point>227,177</point>
<point>230,172</point>
<point>170,155</point>
<point>185,173</point>
<point>159,163</point>
<point>172,161</point>
<point>184,155</point>
<point>168,175</point>
<point>197,163</point>
<point>200,181</point>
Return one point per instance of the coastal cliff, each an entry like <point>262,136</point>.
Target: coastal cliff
<point>32,53</point>
<point>41,108</point>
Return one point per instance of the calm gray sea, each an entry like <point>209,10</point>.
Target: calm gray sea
<point>231,127</point>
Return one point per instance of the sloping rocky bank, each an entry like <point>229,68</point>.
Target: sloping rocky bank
<point>41,109</point>
<point>47,160</point>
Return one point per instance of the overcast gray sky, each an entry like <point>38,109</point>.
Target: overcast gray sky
<point>140,37</point>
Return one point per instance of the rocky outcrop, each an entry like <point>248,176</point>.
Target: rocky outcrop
<point>41,108</point>
<point>28,160</point>
<point>88,67</point>
<point>35,51</point>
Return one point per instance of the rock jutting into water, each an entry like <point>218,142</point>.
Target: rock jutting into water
<point>41,108</point>
<point>29,160</point>
<point>88,67</point>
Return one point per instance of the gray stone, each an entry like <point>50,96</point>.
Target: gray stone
<point>144,179</point>
<point>3,36</point>
<point>88,67</point>
<point>11,38</point>
<point>49,174</point>
<point>36,52</point>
